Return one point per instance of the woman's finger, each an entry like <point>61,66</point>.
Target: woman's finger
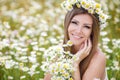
<point>83,50</point>
<point>85,45</point>
<point>89,46</point>
<point>90,43</point>
<point>82,46</point>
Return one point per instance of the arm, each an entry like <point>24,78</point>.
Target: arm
<point>47,77</point>
<point>82,53</point>
<point>96,68</point>
<point>76,73</point>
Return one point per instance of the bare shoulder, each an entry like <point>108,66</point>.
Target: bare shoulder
<point>99,57</point>
<point>96,68</point>
<point>98,61</point>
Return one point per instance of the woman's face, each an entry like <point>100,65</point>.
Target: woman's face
<point>80,28</point>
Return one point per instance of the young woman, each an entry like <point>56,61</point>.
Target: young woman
<point>83,28</point>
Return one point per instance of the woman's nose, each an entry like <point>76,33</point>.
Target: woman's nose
<point>79,30</point>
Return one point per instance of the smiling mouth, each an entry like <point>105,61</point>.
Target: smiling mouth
<point>77,37</point>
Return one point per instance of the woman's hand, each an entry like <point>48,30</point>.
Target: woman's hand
<point>83,51</point>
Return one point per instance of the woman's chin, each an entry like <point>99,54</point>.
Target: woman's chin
<point>76,44</point>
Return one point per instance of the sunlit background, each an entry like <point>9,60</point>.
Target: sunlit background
<point>29,27</point>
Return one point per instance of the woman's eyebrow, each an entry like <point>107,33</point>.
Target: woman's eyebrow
<point>88,24</point>
<point>75,20</point>
<point>79,22</point>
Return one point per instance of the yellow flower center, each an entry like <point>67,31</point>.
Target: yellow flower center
<point>87,5</point>
<point>66,74</point>
<point>97,10</point>
<point>83,3</point>
<point>70,6</point>
<point>70,79</point>
<point>102,16</point>
<point>65,66</point>
<point>69,43</point>
<point>53,71</point>
<point>78,5</point>
<point>97,5</point>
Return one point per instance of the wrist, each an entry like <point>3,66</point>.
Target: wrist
<point>76,65</point>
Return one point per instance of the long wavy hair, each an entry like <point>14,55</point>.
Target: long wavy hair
<point>94,35</point>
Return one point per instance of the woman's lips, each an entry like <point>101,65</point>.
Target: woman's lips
<point>76,36</point>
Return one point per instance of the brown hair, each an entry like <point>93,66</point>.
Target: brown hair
<point>94,35</point>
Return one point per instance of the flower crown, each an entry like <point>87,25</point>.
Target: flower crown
<point>89,5</point>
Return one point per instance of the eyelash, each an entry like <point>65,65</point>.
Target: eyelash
<point>74,22</point>
<point>88,27</point>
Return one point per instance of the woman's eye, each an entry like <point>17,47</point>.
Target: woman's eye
<point>88,27</point>
<point>73,22</point>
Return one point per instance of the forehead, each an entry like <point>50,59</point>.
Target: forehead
<point>83,18</point>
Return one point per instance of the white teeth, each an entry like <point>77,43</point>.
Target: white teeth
<point>76,36</point>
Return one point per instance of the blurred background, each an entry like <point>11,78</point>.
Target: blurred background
<point>29,27</point>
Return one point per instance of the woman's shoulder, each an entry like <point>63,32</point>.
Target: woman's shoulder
<point>97,64</point>
<point>99,56</point>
